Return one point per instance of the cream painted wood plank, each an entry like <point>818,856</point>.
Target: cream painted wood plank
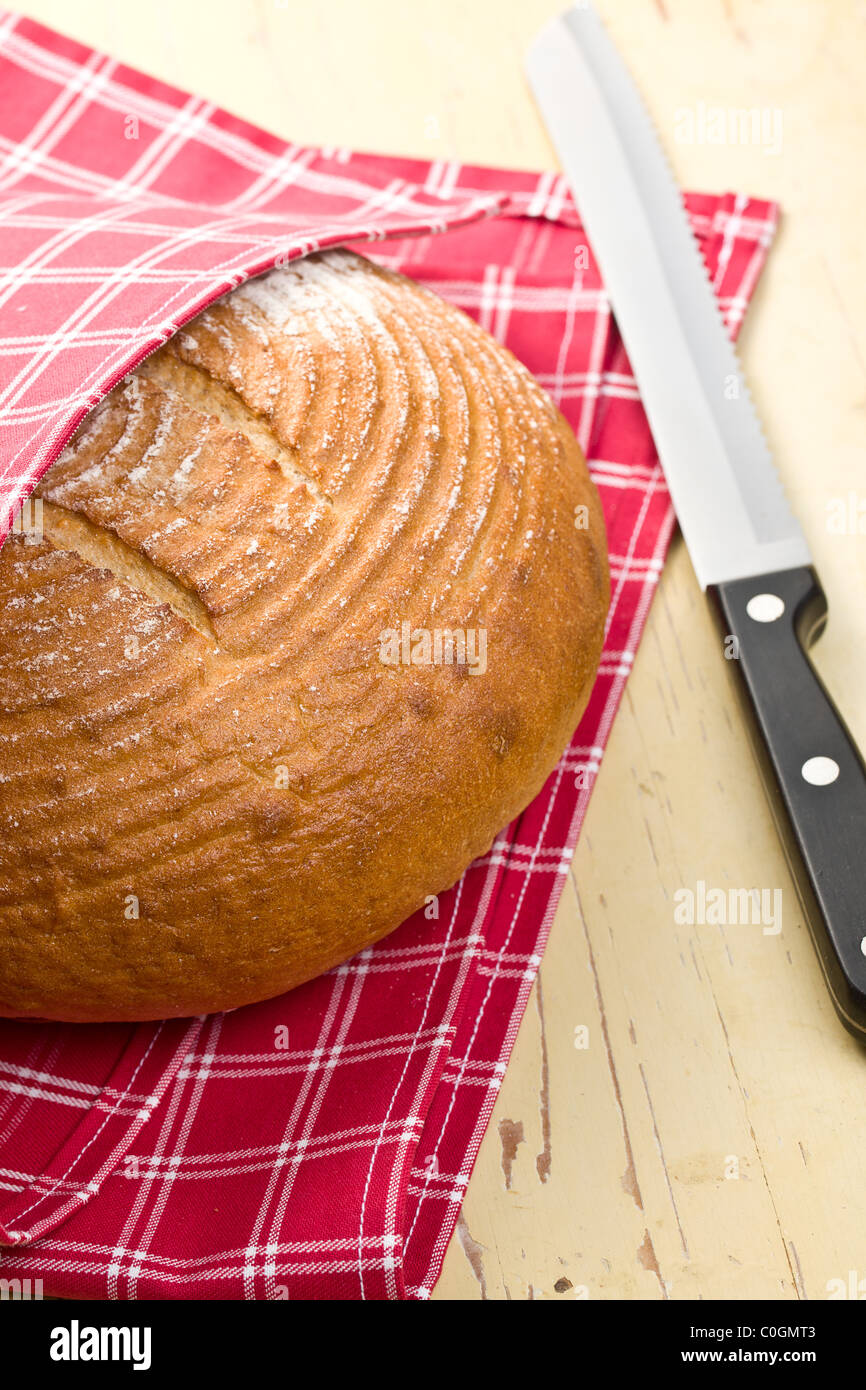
<point>707,1141</point>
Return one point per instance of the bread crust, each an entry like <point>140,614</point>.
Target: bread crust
<point>215,781</point>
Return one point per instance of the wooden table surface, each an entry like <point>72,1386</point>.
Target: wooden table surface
<point>708,1140</point>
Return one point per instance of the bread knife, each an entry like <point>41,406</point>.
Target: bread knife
<point>748,551</point>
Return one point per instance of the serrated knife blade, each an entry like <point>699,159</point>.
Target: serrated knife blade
<point>726,492</point>
<point>747,548</point>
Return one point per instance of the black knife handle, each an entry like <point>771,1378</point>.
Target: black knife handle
<point>793,721</point>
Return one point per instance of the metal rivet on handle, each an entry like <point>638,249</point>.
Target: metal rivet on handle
<point>765,608</point>
<point>820,771</point>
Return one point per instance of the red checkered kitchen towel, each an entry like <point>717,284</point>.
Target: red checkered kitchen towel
<point>318,1145</point>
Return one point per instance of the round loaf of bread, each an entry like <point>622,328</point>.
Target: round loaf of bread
<point>316,604</point>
